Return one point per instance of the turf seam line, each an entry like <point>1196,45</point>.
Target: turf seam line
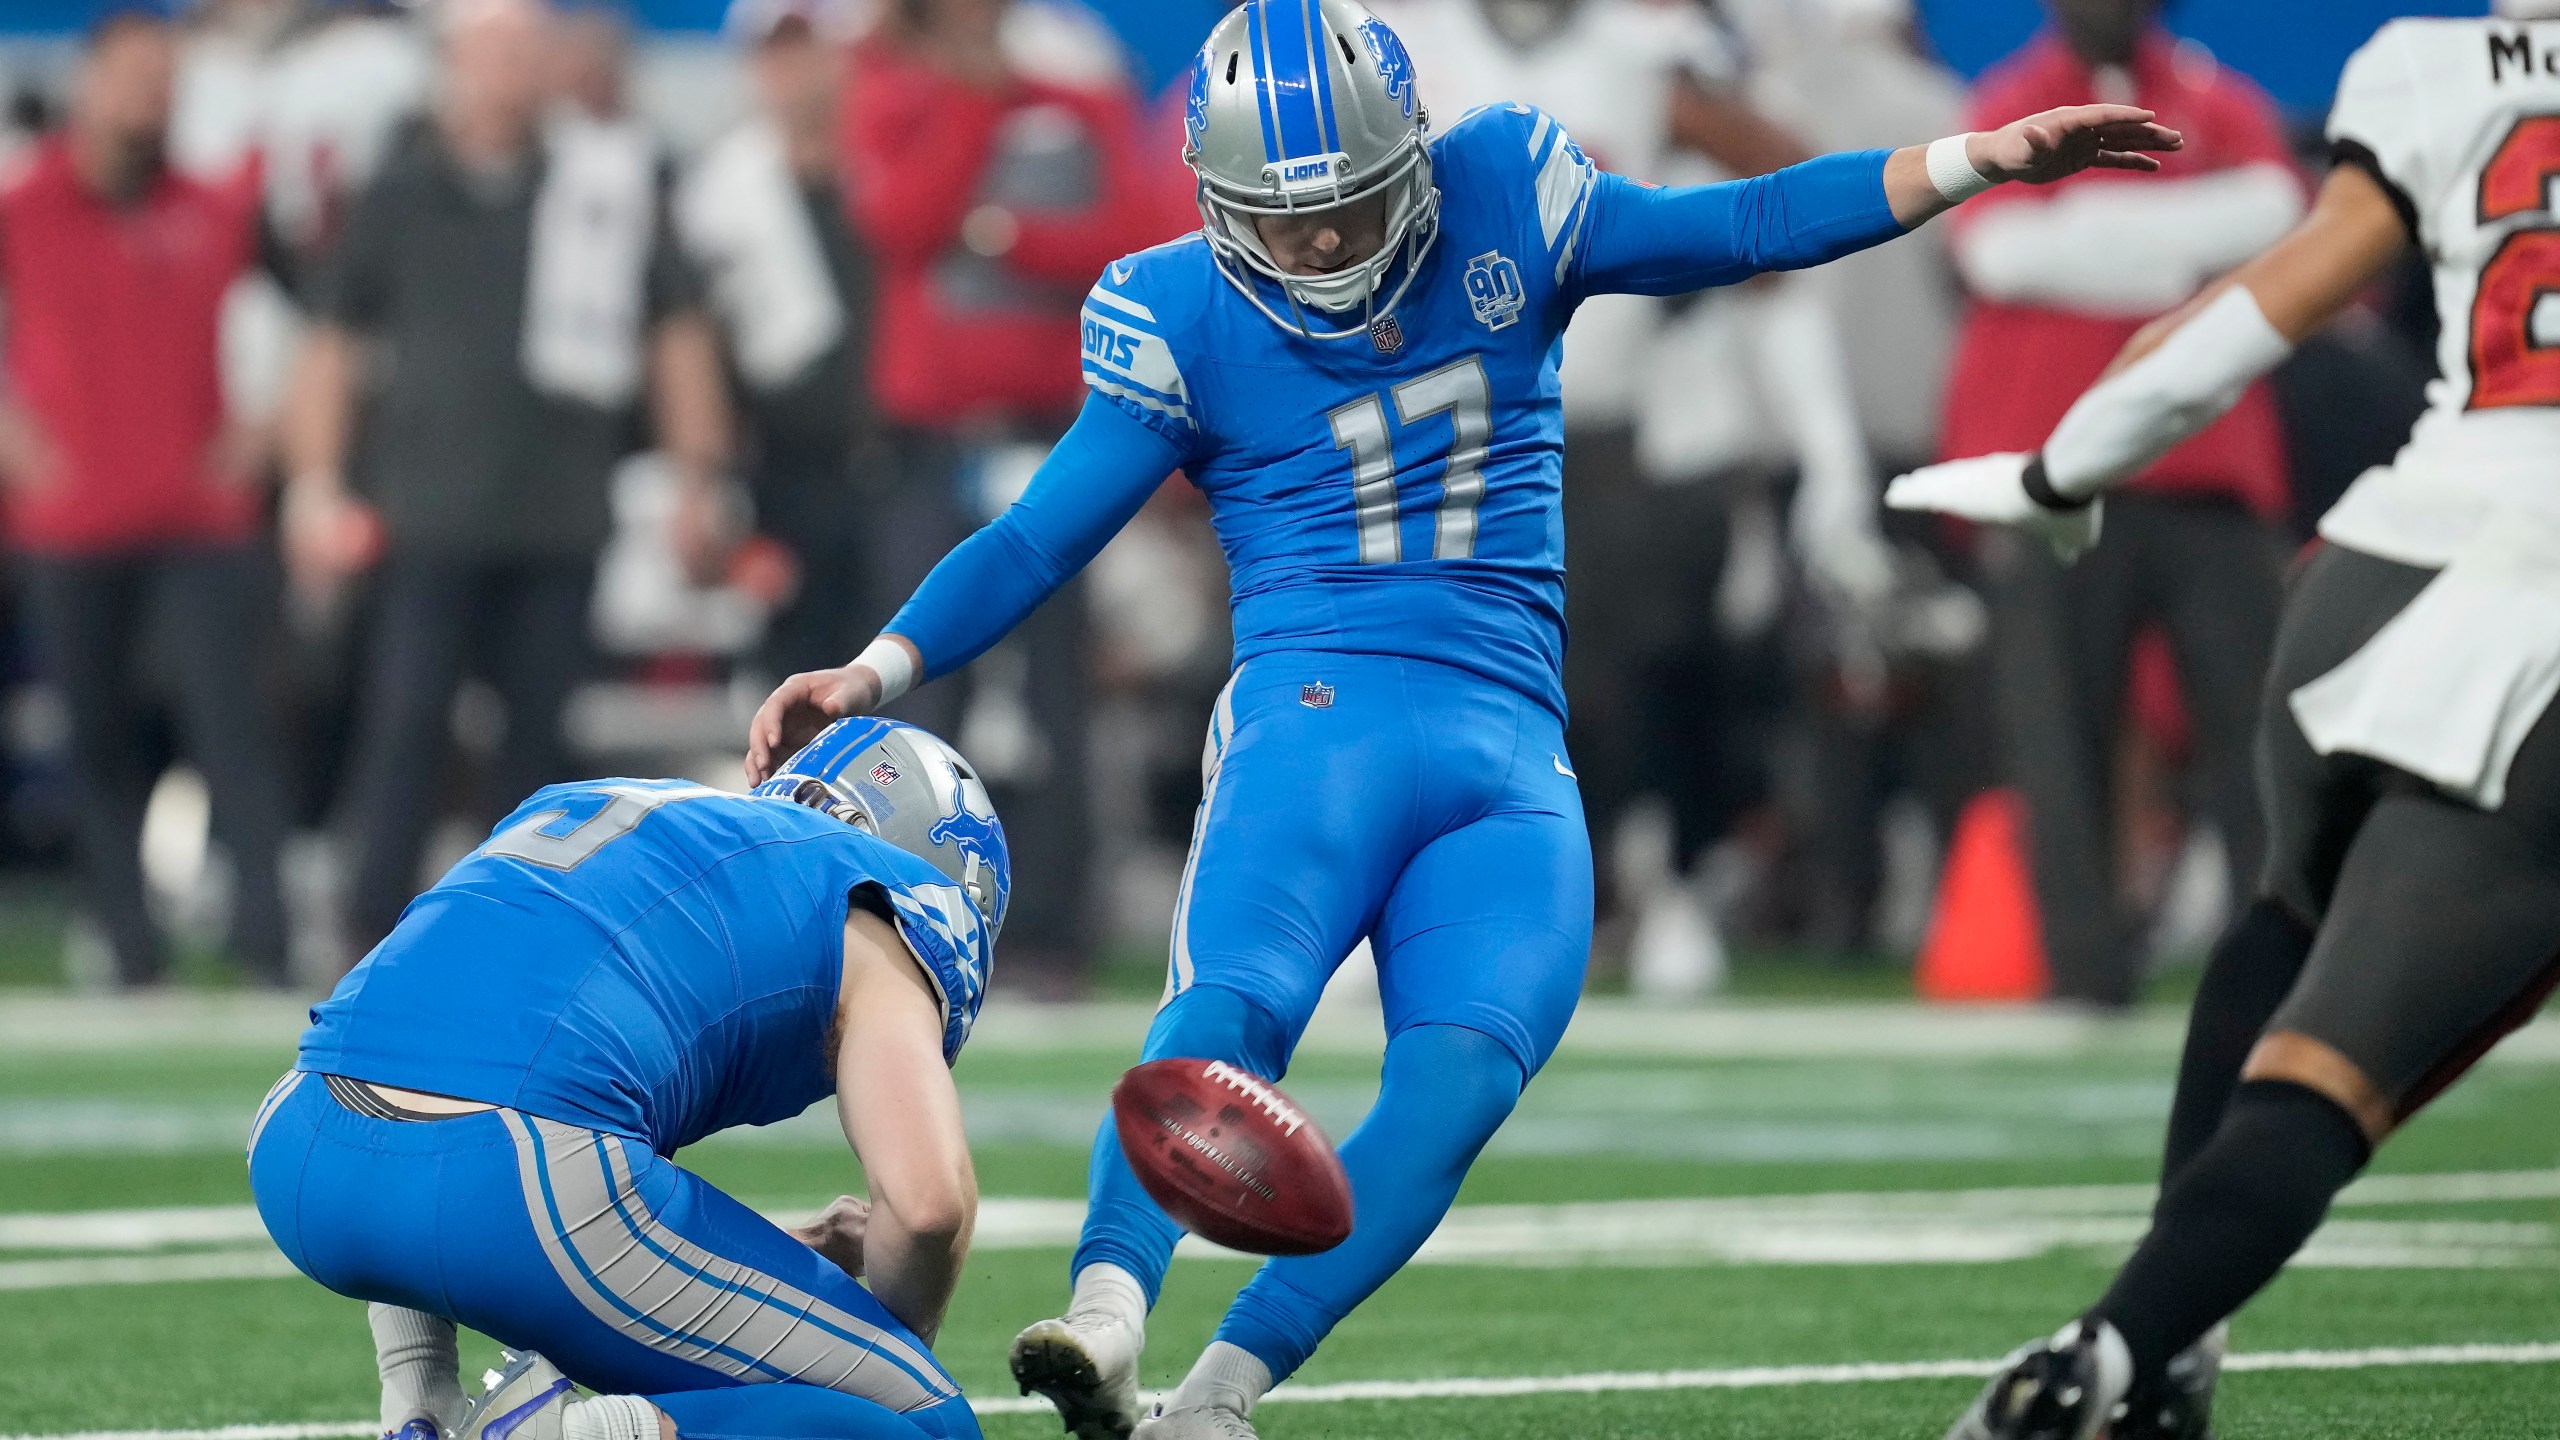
<point>1755,1377</point>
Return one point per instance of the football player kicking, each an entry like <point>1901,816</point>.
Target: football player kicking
<point>1356,359</point>
<point>2409,914</point>
<point>477,1130</point>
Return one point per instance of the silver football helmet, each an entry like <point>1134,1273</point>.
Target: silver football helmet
<point>903,784</point>
<point>1301,105</point>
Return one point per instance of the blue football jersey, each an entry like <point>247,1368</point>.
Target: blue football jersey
<point>1396,492</point>
<point>647,957</point>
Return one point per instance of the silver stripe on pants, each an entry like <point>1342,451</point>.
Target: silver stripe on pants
<point>667,1293</point>
<point>277,1094</point>
<point>1213,753</point>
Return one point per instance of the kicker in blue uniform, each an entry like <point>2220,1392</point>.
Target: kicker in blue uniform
<point>1379,435</point>
<point>479,1125</point>
<point>1389,507</point>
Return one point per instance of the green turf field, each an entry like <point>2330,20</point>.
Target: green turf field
<point>1704,1210</point>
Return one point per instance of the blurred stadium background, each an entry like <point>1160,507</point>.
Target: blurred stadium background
<point>1780,775</point>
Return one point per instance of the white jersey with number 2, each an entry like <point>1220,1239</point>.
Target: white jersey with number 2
<point>2460,121</point>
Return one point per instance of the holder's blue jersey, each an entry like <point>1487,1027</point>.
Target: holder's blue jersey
<point>1395,493</point>
<point>647,957</point>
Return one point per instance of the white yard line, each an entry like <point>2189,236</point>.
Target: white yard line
<point>1908,1227</point>
<point>1753,1377</point>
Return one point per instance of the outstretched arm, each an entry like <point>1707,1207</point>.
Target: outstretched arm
<point>2180,374</point>
<point>1649,241</point>
<point>1096,477</point>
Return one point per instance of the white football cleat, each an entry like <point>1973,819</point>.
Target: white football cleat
<point>527,1399</point>
<point>1194,1422</point>
<point>1088,1369</point>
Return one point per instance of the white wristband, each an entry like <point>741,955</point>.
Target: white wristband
<point>889,660</point>
<point>1952,173</point>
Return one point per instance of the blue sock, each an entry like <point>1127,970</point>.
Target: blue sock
<point>1123,1226</point>
<point>805,1412</point>
<point>1445,1090</point>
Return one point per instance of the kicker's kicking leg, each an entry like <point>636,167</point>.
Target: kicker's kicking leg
<point>1086,1361</point>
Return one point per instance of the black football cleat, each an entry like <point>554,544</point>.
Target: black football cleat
<point>2065,1388</point>
<point>2178,1405</point>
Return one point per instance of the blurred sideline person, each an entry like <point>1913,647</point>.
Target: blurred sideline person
<point>133,497</point>
<point>1888,696</point>
<point>505,297</point>
<point>2060,280</point>
<point>1638,84</point>
<point>990,195</point>
<point>762,211</point>
<point>479,1127</point>
<point>1355,359</point>
<point>2409,913</point>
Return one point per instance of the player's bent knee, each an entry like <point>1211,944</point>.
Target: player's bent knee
<point>1211,1022</point>
<point>1474,1079</point>
<point>2316,1065</point>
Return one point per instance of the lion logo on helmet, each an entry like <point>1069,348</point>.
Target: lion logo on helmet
<point>979,838</point>
<point>1195,106</point>
<point>1395,67</point>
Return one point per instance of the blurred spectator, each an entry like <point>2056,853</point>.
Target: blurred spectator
<point>334,96</point>
<point>503,299</point>
<point>133,500</point>
<point>2061,277</point>
<point>763,213</point>
<point>1663,709</point>
<point>591,62</point>
<point>992,198</point>
<point>1888,693</point>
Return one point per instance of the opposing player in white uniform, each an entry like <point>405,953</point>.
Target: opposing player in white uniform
<point>2409,916</point>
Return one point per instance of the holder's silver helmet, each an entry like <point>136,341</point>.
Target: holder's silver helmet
<point>1301,105</point>
<point>903,784</point>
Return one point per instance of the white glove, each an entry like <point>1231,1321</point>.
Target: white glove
<point>1991,489</point>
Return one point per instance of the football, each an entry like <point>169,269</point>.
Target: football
<point>1231,1158</point>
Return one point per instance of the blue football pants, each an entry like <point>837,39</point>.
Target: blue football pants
<point>632,1274</point>
<point>1434,813</point>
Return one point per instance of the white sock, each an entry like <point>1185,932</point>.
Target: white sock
<point>1109,1294</point>
<point>609,1417</point>
<point>1227,1376</point>
<point>421,1367</point>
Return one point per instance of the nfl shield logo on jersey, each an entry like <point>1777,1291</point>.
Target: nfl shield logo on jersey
<point>1386,334</point>
<point>1316,695</point>
<point>1494,289</point>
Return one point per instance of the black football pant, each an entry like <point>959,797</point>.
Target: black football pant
<point>216,608</point>
<point>522,622</point>
<point>2404,929</point>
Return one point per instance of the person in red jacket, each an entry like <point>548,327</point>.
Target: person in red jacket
<point>2060,278</point>
<point>128,495</point>
<point>991,195</point>
<point>992,200</point>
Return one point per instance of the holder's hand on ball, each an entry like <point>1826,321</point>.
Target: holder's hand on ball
<point>837,1232</point>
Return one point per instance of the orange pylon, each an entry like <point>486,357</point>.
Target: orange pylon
<point>1985,941</point>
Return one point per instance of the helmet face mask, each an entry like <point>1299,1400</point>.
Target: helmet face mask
<point>1300,106</point>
